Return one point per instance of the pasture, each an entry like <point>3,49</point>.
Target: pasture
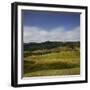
<point>52,62</point>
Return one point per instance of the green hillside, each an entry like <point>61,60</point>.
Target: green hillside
<point>62,59</point>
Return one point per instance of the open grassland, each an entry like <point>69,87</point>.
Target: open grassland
<point>52,62</point>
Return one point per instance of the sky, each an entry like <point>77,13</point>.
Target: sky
<point>41,26</point>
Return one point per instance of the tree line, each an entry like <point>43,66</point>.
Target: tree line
<point>32,46</point>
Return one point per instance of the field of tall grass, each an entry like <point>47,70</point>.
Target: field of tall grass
<point>54,62</point>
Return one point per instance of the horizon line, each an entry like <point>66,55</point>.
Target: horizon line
<point>51,41</point>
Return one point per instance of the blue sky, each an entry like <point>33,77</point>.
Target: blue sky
<point>43,22</point>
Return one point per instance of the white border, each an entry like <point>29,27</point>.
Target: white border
<point>82,50</point>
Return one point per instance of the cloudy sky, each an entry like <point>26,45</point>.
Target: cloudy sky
<point>41,26</point>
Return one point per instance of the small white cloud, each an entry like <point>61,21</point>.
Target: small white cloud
<point>36,34</point>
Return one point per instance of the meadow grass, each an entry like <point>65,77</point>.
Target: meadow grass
<point>55,63</point>
<point>57,72</point>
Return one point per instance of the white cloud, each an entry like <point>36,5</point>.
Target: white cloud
<point>36,34</point>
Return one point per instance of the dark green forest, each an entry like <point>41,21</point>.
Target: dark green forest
<point>49,45</point>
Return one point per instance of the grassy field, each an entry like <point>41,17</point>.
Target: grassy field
<point>56,62</point>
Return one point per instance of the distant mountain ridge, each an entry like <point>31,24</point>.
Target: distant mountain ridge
<point>32,46</point>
